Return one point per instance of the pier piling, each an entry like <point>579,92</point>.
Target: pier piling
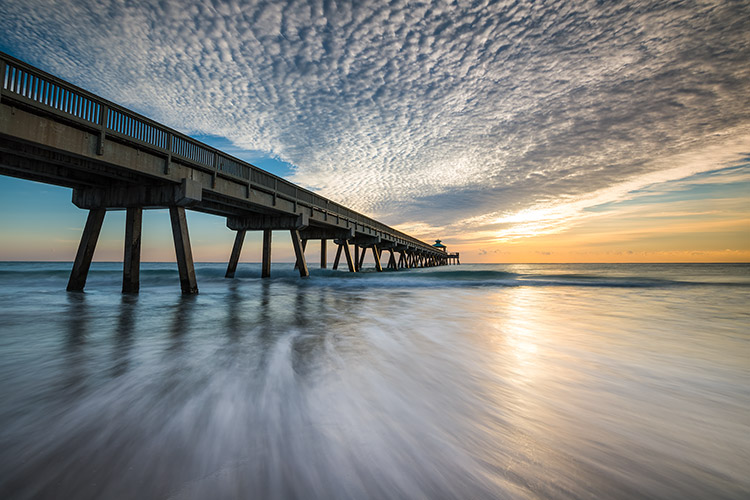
<point>131,263</point>
<point>376,256</point>
<point>86,250</point>
<point>299,251</point>
<point>338,257</point>
<point>183,251</point>
<point>348,255</point>
<point>239,239</point>
<point>266,264</point>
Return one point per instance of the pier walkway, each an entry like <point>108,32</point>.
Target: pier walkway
<point>116,159</point>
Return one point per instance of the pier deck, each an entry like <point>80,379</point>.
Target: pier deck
<point>115,159</point>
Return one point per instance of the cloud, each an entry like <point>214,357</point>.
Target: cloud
<point>441,116</point>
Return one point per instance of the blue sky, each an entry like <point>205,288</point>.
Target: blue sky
<point>493,125</point>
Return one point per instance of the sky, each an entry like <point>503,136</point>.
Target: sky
<point>514,131</point>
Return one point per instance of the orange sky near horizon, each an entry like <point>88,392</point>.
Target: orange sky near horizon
<point>705,218</point>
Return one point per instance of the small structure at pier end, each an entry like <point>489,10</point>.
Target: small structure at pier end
<point>115,159</point>
<point>450,258</point>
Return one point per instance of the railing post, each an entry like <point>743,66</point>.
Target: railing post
<point>168,160</point>
<point>103,115</point>
<point>2,79</point>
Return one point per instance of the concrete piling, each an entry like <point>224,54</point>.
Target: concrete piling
<point>265,271</point>
<point>131,264</point>
<point>86,250</point>
<point>183,251</point>
<point>299,251</point>
<point>234,259</point>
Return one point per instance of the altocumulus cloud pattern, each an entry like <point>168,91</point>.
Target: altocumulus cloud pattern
<point>444,115</point>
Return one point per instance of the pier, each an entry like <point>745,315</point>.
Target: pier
<point>115,159</point>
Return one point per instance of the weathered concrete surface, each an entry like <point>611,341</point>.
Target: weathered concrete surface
<point>186,194</point>
<point>183,251</point>
<point>132,256</point>
<point>86,250</point>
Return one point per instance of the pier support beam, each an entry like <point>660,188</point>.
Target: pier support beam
<point>182,250</point>
<point>323,253</point>
<point>348,255</point>
<point>86,250</point>
<point>361,259</point>
<point>265,271</point>
<point>357,265</point>
<point>338,257</point>
<point>376,256</point>
<point>239,239</point>
<point>187,193</point>
<point>304,247</point>
<point>299,251</point>
<point>131,262</point>
<point>392,260</point>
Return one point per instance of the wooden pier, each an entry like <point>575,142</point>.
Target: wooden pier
<point>115,159</point>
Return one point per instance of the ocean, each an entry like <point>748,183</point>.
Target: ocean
<point>460,382</point>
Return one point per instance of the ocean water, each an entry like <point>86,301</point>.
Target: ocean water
<point>459,382</point>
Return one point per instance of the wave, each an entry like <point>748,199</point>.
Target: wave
<point>468,279</point>
<point>610,276</point>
